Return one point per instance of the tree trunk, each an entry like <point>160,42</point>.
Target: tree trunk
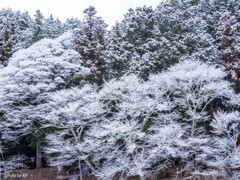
<point>38,156</point>
<point>80,168</point>
<point>193,128</point>
<point>235,146</point>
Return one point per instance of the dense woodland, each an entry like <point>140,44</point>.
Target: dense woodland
<point>160,90</point>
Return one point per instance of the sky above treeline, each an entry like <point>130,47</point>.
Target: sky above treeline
<point>110,10</point>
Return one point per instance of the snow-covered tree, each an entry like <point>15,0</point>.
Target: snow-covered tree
<point>228,37</point>
<point>38,28</point>
<point>8,38</point>
<point>52,28</point>
<point>183,32</point>
<point>133,134</point>
<point>73,116</point>
<point>10,134</point>
<point>12,163</point>
<point>90,43</point>
<point>71,24</point>
<point>23,19</point>
<point>33,73</point>
<point>138,51</point>
<point>25,23</point>
<point>114,43</point>
<point>227,125</point>
<point>194,85</point>
<point>226,130</point>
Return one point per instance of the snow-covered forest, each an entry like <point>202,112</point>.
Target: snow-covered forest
<point>158,91</point>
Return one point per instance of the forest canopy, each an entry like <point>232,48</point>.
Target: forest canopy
<point>158,91</point>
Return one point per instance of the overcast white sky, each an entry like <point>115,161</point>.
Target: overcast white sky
<point>109,10</point>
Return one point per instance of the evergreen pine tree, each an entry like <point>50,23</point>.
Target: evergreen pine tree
<point>114,45</point>
<point>25,24</point>
<point>218,8</point>
<point>49,26</point>
<point>38,28</point>
<point>184,32</point>
<point>72,23</point>
<point>8,38</point>
<point>228,37</point>
<point>7,12</point>
<point>139,47</point>
<point>58,28</point>
<point>90,43</point>
<point>52,28</point>
<point>23,19</point>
